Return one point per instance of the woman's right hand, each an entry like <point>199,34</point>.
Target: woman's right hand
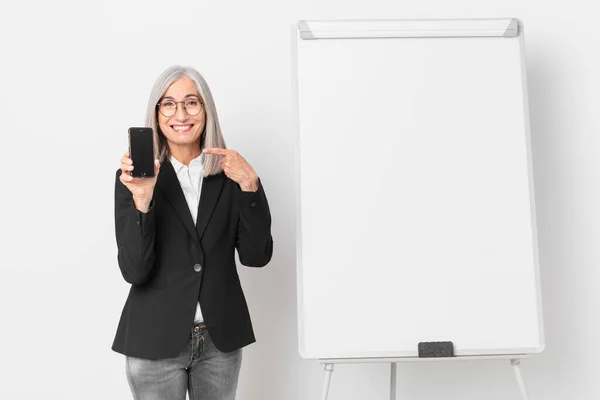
<point>142,189</point>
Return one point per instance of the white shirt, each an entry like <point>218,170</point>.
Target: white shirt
<point>190,179</point>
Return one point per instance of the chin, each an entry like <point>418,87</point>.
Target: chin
<point>182,141</point>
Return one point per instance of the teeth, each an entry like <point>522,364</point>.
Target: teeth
<point>181,128</point>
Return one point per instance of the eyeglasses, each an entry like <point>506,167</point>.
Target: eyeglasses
<point>168,107</point>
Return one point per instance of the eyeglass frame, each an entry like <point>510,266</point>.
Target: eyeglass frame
<point>184,109</point>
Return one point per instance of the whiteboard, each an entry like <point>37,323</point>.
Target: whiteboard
<point>414,197</point>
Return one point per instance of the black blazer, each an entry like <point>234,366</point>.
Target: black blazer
<point>172,264</point>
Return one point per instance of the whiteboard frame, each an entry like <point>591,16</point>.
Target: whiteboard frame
<point>340,29</point>
<point>346,29</point>
<point>371,360</point>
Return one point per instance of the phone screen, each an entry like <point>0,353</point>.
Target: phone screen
<point>141,152</point>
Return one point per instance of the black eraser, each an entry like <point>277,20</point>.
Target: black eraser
<point>436,349</point>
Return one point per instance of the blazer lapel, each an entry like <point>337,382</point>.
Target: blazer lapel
<point>211,189</point>
<point>168,183</point>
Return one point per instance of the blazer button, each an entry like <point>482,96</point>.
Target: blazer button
<point>197,267</point>
<point>253,204</point>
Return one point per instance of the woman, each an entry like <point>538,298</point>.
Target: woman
<point>185,320</point>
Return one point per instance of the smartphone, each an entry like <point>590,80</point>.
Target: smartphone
<point>141,152</point>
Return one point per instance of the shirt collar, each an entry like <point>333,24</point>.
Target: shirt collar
<point>196,163</point>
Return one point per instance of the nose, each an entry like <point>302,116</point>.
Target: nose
<point>180,114</point>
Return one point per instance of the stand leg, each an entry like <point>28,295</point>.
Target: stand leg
<point>515,364</point>
<point>393,382</point>
<point>328,371</point>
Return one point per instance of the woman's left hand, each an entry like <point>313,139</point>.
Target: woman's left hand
<point>236,168</point>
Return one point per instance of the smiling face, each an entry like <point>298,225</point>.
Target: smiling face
<point>182,131</point>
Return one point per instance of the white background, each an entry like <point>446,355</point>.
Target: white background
<point>75,75</point>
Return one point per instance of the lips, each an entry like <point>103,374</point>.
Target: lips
<point>182,128</point>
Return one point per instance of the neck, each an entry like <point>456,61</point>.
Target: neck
<point>185,154</point>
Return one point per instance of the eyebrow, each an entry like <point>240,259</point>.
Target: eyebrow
<point>186,96</point>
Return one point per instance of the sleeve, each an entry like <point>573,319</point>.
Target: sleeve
<point>254,241</point>
<point>135,234</point>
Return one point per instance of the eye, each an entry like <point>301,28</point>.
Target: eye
<point>168,104</point>
<point>192,103</point>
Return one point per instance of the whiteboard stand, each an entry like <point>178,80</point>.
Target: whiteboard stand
<point>393,377</point>
<point>515,362</point>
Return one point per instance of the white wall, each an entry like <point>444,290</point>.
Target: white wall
<point>74,76</point>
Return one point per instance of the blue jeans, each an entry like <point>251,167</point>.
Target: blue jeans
<point>201,369</point>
